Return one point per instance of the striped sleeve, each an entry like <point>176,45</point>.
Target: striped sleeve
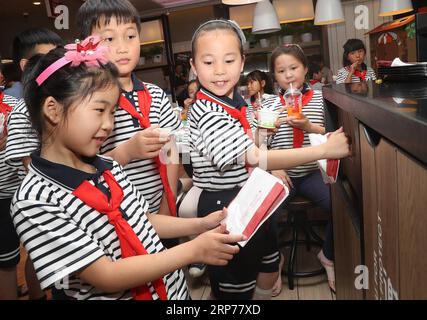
<point>342,75</point>
<point>370,74</point>
<point>167,118</point>
<point>22,138</point>
<point>57,247</point>
<point>225,141</point>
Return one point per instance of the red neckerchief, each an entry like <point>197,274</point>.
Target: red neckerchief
<point>5,109</point>
<point>130,244</point>
<point>144,101</point>
<point>313,81</point>
<point>298,134</point>
<point>236,114</point>
<point>361,75</point>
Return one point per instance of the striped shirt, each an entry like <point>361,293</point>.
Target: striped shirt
<point>9,176</point>
<point>63,235</point>
<point>217,142</point>
<point>22,138</point>
<point>283,139</point>
<point>343,73</point>
<point>143,173</point>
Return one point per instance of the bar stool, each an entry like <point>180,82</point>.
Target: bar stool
<point>298,221</point>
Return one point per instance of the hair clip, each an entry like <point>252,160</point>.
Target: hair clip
<point>88,52</point>
<point>290,45</point>
<point>230,23</point>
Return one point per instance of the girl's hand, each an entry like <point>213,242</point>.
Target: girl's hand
<point>302,122</point>
<point>188,102</point>
<point>147,143</point>
<point>214,248</point>
<point>354,66</point>
<point>213,220</point>
<point>282,175</point>
<point>337,145</point>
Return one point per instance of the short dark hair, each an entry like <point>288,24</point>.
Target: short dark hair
<point>67,85</point>
<point>25,42</point>
<point>349,46</point>
<point>312,69</point>
<point>291,49</point>
<point>258,75</point>
<point>92,11</point>
<point>11,72</point>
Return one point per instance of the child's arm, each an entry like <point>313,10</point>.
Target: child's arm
<point>305,124</point>
<point>210,247</point>
<point>22,138</point>
<point>172,227</point>
<point>172,169</point>
<point>145,144</point>
<point>336,147</point>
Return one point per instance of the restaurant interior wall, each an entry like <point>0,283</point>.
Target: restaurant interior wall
<point>339,33</point>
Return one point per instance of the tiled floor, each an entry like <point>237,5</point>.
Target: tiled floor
<point>313,288</point>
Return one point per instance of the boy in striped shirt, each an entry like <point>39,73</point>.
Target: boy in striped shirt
<point>142,106</point>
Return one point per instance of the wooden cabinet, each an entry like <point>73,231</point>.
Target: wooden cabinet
<point>380,214</point>
<point>384,184</point>
<point>346,196</point>
<point>347,243</point>
<point>412,235</point>
<point>394,206</point>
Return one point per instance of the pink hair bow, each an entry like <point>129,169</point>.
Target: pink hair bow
<point>88,52</point>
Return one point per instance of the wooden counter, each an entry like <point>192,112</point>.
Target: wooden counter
<point>380,201</point>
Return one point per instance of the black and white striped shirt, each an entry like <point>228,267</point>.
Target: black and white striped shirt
<point>22,138</point>
<point>63,235</point>
<point>283,139</point>
<point>217,142</point>
<point>343,74</point>
<point>9,176</point>
<point>143,173</point>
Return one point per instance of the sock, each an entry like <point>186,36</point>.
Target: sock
<point>262,294</point>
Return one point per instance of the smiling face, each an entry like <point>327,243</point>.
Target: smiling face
<point>218,61</point>
<point>123,42</point>
<point>287,70</point>
<point>89,122</point>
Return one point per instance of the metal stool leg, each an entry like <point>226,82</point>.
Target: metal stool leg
<point>292,258</point>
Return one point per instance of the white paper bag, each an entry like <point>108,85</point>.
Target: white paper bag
<point>328,167</point>
<point>255,203</point>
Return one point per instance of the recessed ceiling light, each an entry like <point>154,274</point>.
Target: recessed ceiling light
<point>37,3</point>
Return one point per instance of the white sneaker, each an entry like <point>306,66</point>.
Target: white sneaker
<point>196,270</point>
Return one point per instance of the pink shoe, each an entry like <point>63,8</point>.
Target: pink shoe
<point>329,267</point>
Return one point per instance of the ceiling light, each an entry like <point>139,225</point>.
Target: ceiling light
<point>393,7</point>
<point>265,18</point>
<point>294,10</point>
<point>328,12</point>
